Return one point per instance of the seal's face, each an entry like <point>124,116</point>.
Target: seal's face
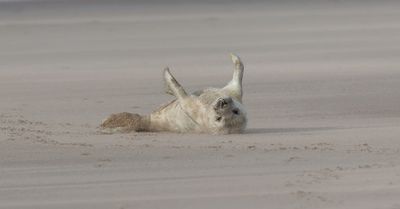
<point>226,116</point>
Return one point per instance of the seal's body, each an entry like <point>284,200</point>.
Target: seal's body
<point>212,110</point>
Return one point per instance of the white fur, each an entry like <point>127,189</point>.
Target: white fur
<point>212,110</point>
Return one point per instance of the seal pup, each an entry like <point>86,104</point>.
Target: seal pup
<point>211,110</point>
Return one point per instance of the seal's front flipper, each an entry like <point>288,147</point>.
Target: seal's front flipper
<point>172,85</point>
<point>234,87</point>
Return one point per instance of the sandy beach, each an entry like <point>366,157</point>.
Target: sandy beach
<point>321,88</point>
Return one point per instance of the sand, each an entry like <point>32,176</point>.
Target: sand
<point>321,85</point>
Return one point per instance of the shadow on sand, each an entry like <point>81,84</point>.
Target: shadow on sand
<point>287,130</point>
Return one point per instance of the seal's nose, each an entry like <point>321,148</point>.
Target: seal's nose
<point>223,103</point>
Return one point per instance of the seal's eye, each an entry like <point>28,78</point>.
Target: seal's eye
<point>218,118</point>
<point>235,111</point>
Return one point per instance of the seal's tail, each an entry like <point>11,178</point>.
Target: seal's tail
<point>125,122</point>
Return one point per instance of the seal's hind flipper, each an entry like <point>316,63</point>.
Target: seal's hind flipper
<point>125,122</point>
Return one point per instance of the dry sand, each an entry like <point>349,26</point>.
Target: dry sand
<point>321,84</point>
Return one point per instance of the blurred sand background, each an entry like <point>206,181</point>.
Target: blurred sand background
<point>322,82</point>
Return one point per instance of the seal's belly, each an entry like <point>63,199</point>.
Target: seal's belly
<point>172,117</point>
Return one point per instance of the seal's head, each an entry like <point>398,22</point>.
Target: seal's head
<point>226,116</point>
